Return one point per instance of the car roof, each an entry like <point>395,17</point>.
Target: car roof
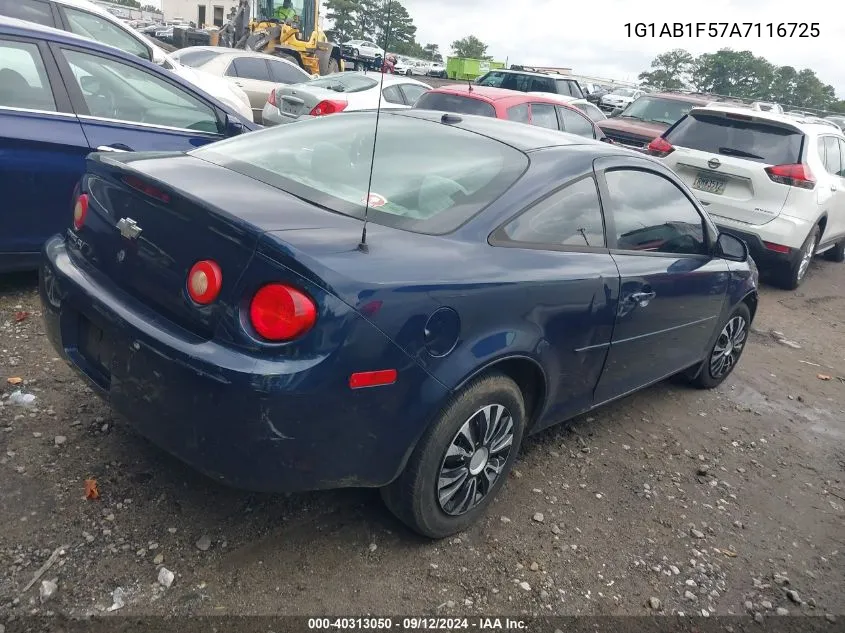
<point>805,124</point>
<point>493,95</point>
<point>533,73</point>
<point>230,52</point>
<point>520,136</point>
<point>88,6</point>
<point>13,26</point>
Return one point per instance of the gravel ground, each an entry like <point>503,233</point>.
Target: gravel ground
<point>673,500</point>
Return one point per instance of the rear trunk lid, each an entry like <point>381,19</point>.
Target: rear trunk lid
<point>723,157</point>
<point>297,101</point>
<point>178,202</point>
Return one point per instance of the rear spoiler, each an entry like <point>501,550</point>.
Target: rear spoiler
<point>752,116</point>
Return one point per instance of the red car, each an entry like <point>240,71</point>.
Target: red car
<point>500,103</point>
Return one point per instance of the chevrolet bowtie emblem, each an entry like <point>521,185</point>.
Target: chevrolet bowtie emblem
<point>129,228</point>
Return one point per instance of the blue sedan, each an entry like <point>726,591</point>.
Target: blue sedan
<point>63,96</point>
<point>492,280</point>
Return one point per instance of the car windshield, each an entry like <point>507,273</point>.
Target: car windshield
<point>454,103</point>
<point>624,92</point>
<point>427,177</point>
<point>757,141</point>
<point>657,110</point>
<point>347,82</point>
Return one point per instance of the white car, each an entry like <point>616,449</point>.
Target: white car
<point>364,48</point>
<point>776,181</point>
<point>620,98</point>
<point>87,19</point>
<point>436,69</point>
<point>405,66</point>
<point>341,92</point>
<point>582,104</point>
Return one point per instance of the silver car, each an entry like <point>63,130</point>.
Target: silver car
<point>254,73</point>
<point>341,92</point>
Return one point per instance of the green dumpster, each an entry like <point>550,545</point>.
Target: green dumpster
<point>465,69</point>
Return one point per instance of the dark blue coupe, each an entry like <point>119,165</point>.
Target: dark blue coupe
<point>510,278</point>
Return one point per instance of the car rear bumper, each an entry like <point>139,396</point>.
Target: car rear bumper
<point>247,421</point>
<point>784,231</point>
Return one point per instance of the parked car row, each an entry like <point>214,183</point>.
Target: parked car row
<point>488,264</point>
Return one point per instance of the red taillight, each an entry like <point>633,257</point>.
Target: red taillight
<point>328,107</point>
<point>204,282</point>
<point>146,188</point>
<point>660,147</point>
<point>281,313</point>
<point>80,210</point>
<point>364,379</point>
<point>271,98</point>
<point>777,248</point>
<point>793,175</point>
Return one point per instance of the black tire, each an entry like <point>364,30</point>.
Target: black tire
<point>708,375</point>
<point>792,275</point>
<point>355,53</point>
<point>413,496</point>
<point>333,67</point>
<point>837,253</point>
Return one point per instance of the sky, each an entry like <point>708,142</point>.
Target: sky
<point>590,37</point>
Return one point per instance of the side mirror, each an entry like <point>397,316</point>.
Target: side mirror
<point>616,112</point>
<point>731,248</point>
<point>159,58</point>
<point>233,127</point>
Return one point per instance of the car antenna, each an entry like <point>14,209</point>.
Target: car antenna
<point>362,246</point>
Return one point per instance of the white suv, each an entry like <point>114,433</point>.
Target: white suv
<point>776,181</point>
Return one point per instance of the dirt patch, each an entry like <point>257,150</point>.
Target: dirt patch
<point>721,501</point>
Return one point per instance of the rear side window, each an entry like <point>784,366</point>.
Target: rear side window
<point>455,103</point>
<point>283,73</point>
<point>427,177</point>
<point>651,214</point>
<point>29,10</point>
<point>23,78</point>
<point>833,157</point>
<point>570,217</point>
<point>569,87</point>
<point>518,113</point>
<point>575,123</point>
<point>392,94</point>
<point>753,140</point>
<point>543,115</point>
<point>251,68</point>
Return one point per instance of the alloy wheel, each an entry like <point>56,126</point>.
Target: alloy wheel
<point>806,258</point>
<point>475,459</point>
<point>728,347</point>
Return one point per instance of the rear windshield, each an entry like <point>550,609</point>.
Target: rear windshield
<point>733,137</point>
<point>454,103</point>
<point>194,59</point>
<point>344,83</point>
<point>427,177</point>
<point>657,110</point>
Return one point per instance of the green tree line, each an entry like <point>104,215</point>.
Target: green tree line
<point>388,24</point>
<point>741,74</point>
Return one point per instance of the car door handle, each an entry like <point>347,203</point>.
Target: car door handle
<point>833,187</point>
<point>642,299</point>
<point>238,83</point>
<point>117,147</point>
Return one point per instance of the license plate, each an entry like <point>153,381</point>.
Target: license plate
<point>289,109</point>
<point>706,182</point>
<point>95,346</point>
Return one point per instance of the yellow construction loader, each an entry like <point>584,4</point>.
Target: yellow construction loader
<point>288,29</point>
